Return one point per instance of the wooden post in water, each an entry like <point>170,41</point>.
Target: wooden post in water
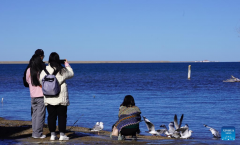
<point>189,72</point>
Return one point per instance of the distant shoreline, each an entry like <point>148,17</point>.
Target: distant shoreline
<point>83,62</point>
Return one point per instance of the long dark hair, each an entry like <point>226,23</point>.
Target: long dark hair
<point>35,69</point>
<point>55,63</point>
<point>128,101</point>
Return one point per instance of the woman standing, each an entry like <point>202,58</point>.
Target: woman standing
<point>40,53</point>
<point>37,100</point>
<point>57,105</point>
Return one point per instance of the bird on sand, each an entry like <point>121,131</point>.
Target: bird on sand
<point>168,132</point>
<point>214,132</point>
<point>97,127</point>
<point>171,132</point>
<point>175,132</point>
<point>151,128</point>
<point>185,132</point>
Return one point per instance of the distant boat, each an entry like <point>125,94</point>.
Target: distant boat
<point>233,79</point>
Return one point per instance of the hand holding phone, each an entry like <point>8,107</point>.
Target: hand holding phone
<point>62,61</point>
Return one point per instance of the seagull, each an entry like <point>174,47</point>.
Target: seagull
<point>177,126</point>
<point>174,131</point>
<point>214,132</point>
<point>171,132</point>
<point>165,130</point>
<point>171,127</point>
<point>185,132</point>
<point>97,127</point>
<point>168,132</point>
<point>151,127</point>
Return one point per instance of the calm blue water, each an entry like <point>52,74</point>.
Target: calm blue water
<point>160,91</point>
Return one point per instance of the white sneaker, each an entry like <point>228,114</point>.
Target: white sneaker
<point>64,137</point>
<point>53,137</point>
<point>43,136</point>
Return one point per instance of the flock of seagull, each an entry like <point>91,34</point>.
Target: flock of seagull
<point>175,130</point>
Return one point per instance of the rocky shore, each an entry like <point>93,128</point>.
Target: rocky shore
<point>20,132</point>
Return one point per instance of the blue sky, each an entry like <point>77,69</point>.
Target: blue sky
<point>121,30</point>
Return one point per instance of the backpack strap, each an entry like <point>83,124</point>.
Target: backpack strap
<point>55,72</point>
<point>46,71</point>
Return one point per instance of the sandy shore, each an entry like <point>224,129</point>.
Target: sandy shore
<point>20,132</point>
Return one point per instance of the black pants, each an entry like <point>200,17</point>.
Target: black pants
<point>54,112</point>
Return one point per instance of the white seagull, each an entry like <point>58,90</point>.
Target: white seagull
<point>171,128</point>
<point>97,127</point>
<point>171,131</point>
<point>176,133</point>
<point>214,132</point>
<point>185,132</point>
<point>177,126</point>
<point>151,128</point>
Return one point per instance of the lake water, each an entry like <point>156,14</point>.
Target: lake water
<point>160,90</point>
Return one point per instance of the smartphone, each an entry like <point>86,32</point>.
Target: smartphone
<point>62,61</point>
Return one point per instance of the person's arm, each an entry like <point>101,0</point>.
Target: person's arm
<point>28,77</point>
<point>69,73</point>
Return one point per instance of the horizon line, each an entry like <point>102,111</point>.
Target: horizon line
<point>26,62</point>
